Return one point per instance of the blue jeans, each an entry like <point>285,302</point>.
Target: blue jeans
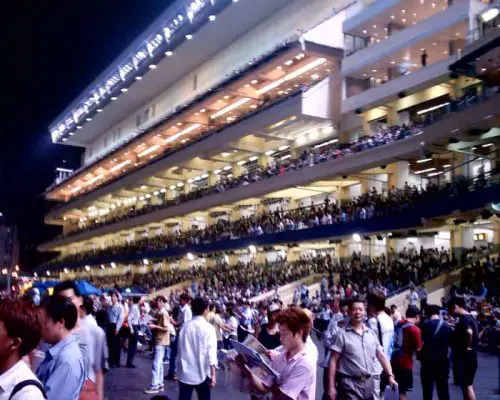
<point>158,365</point>
<point>173,356</point>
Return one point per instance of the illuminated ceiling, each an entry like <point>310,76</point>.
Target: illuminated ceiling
<point>280,75</point>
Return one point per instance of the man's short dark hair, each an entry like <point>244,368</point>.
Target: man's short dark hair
<point>59,308</point>
<point>161,298</point>
<point>88,305</point>
<point>376,301</point>
<point>185,297</point>
<point>136,299</point>
<point>66,285</point>
<point>433,309</point>
<point>199,306</point>
<point>412,312</point>
<point>456,301</point>
<point>354,301</point>
<point>21,320</point>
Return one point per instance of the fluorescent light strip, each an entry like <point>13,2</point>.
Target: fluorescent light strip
<point>75,189</point>
<point>149,151</point>
<point>425,170</point>
<point>432,108</point>
<point>435,173</point>
<point>120,166</point>
<point>181,133</point>
<point>318,146</point>
<point>424,160</point>
<point>286,157</point>
<point>292,75</point>
<point>487,145</point>
<point>94,179</point>
<point>230,107</point>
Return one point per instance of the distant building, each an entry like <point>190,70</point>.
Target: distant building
<point>9,245</point>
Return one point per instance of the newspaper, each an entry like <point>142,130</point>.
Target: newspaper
<point>254,354</point>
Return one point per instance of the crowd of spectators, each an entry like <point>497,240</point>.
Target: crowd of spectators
<point>364,207</point>
<point>308,158</point>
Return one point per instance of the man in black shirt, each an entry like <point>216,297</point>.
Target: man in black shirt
<point>465,341</point>
<point>436,338</point>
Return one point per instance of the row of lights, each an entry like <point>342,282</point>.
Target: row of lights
<point>168,53</point>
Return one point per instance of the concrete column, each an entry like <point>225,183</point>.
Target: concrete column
<point>237,170</point>
<point>462,238</point>
<point>459,169</point>
<point>344,254</point>
<point>398,174</point>
<point>392,116</point>
<point>365,185</point>
<point>263,161</point>
<point>213,178</point>
<point>294,151</point>
<point>338,192</point>
<point>293,255</point>
<point>366,125</point>
<point>496,236</point>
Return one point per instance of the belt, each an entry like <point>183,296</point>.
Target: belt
<point>355,377</point>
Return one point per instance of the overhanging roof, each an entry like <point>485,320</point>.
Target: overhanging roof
<point>273,76</point>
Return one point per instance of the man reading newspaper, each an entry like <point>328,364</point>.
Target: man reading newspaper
<point>292,374</point>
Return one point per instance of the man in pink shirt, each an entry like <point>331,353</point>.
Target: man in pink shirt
<point>296,366</point>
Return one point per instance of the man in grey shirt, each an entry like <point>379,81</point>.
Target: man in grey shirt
<point>354,352</point>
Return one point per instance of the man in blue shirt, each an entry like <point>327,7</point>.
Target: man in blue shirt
<point>115,317</point>
<point>62,371</point>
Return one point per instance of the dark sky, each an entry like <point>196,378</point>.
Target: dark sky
<point>50,51</point>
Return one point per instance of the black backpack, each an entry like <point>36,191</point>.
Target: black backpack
<point>29,382</point>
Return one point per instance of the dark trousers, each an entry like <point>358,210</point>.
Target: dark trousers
<point>435,374</point>
<point>133,338</point>
<point>202,390</point>
<point>326,385</point>
<point>113,346</point>
<point>173,355</point>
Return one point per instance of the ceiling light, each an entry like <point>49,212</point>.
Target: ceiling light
<point>281,148</point>
<point>433,5</point>
<point>242,162</point>
<point>94,179</point>
<point>217,171</point>
<point>169,53</point>
<point>356,237</point>
<point>315,76</point>
<point>138,78</point>
<point>121,165</point>
<point>152,66</point>
<point>293,75</point>
<point>253,106</point>
<point>180,184</point>
<point>286,157</point>
<point>253,158</point>
<point>227,168</point>
<point>149,150</point>
<point>487,145</point>
<point>374,70</point>
<point>424,160</point>
<point>393,17</point>
<point>71,133</point>
<point>156,193</point>
<point>447,166</point>
<point>393,62</point>
<point>230,107</point>
<point>365,31</point>
<point>190,180</point>
<point>432,108</point>
<point>252,249</point>
<point>483,69</point>
<point>490,14</point>
<point>172,187</point>
<point>142,198</point>
<point>114,98</point>
<point>148,196</point>
<point>423,171</point>
<point>374,26</point>
<point>289,62</point>
<point>225,154</point>
<point>124,90</point>
<point>436,173</point>
<point>87,268</point>
<point>163,190</point>
<point>88,119</point>
<point>190,256</point>
<point>145,261</point>
<point>99,110</point>
<point>211,18</point>
<point>204,176</point>
<point>269,152</point>
<point>189,129</point>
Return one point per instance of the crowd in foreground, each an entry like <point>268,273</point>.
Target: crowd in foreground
<point>366,206</point>
<point>369,349</point>
<point>277,167</point>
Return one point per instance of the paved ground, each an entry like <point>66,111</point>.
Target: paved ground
<point>128,384</point>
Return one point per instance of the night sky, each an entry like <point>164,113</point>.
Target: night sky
<point>50,51</point>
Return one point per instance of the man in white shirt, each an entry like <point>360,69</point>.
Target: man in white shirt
<point>413,297</point>
<point>133,326</point>
<point>20,329</point>
<point>383,325</point>
<point>197,354</point>
<point>185,315</point>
